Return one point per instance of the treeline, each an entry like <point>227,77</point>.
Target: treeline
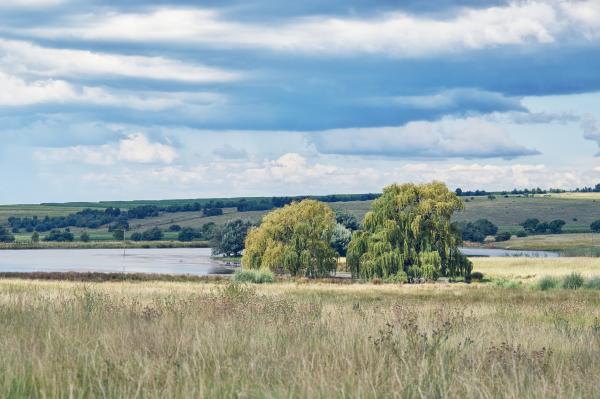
<point>117,219</point>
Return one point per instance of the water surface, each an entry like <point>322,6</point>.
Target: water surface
<point>195,261</point>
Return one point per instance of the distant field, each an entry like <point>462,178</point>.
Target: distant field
<point>577,196</point>
<point>531,269</point>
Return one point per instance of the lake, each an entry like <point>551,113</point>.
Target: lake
<point>195,261</point>
<point>503,253</point>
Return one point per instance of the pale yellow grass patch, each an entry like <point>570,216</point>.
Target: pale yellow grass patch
<point>534,268</point>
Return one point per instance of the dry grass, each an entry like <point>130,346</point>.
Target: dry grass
<point>161,339</point>
<point>553,242</point>
<point>534,268</point>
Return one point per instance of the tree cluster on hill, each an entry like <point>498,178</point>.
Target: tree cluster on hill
<point>5,235</point>
<point>595,189</point>
<point>206,233</point>
<point>153,234</point>
<point>535,226</point>
<point>57,235</point>
<point>476,231</point>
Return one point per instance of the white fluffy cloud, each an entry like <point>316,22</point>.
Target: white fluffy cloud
<point>448,138</point>
<point>134,148</point>
<point>24,58</point>
<point>397,34</point>
<point>16,91</point>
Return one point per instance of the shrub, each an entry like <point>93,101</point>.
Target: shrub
<point>430,272</point>
<point>476,276</point>
<point>414,273</point>
<point>253,276</point>
<point>377,281</point>
<point>521,234</point>
<point>398,278</point>
<point>573,281</point>
<point>137,236</point>
<point>592,283</point>
<point>504,236</point>
<point>85,237</point>
<point>547,283</point>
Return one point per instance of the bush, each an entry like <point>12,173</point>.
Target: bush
<point>476,276</point>
<point>377,281</point>
<point>521,234</point>
<point>547,283</point>
<point>137,236</point>
<point>504,236</point>
<point>573,281</point>
<point>174,227</point>
<point>398,278</point>
<point>429,272</point>
<point>414,273</point>
<point>507,284</point>
<point>253,276</point>
<point>592,283</point>
<point>85,237</point>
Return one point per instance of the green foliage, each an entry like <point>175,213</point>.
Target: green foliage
<point>60,236</point>
<point>187,234</point>
<point>595,226</point>
<point>35,237</point>
<point>530,224</point>
<point>521,233</point>
<point>5,235</point>
<point>294,239</point>
<point>547,283</point>
<point>592,283</point>
<point>572,281</point>
<point>119,234</point>
<point>153,234</point>
<point>174,227</point>
<point>347,220</point>
<point>399,278</point>
<point>507,284</point>
<point>253,276</point>
<point>229,239</point>
<point>409,230</point>
<point>556,226</point>
<point>504,236</point>
<point>475,276</point>
<point>340,238</point>
<point>84,237</point>
<point>476,231</point>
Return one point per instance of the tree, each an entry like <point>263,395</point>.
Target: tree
<point>35,237</point>
<point>541,228</point>
<point>136,236</point>
<point>5,235</point>
<point>504,236</point>
<point>530,225</point>
<point>347,220</point>
<point>556,226</point>
<point>174,227</point>
<point>340,239</point>
<point>85,237</point>
<point>119,234</point>
<point>408,230</point>
<point>230,238</point>
<point>294,239</point>
<point>60,236</point>
<point>486,227</point>
<point>187,234</point>
<point>595,226</point>
<point>154,234</point>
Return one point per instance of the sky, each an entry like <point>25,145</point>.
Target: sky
<point>113,100</point>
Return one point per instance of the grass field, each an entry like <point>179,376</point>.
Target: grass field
<point>529,270</point>
<point>159,339</point>
<point>567,244</point>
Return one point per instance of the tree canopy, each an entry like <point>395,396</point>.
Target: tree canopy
<point>294,239</point>
<point>229,239</point>
<point>408,230</point>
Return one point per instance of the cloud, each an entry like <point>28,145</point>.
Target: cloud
<point>24,58</point>
<point>398,34</point>
<point>448,138</point>
<point>591,129</point>
<point>134,148</point>
<point>15,91</point>
<point>30,3</point>
<point>227,151</point>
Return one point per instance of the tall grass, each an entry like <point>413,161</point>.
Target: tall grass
<point>167,340</point>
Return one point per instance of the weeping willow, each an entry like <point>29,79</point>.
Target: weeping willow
<point>409,230</point>
<point>294,240</point>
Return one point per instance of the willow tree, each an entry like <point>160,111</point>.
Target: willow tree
<point>295,240</point>
<point>409,230</point>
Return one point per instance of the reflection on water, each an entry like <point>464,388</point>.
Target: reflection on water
<point>491,252</point>
<point>195,261</point>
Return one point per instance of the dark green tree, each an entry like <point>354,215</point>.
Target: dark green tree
<point>347,220</point>
<point>340,239</point>
<point>5,235</point>
<point>230,238</point>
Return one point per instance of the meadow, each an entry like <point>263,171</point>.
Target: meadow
<point>296,339</point>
